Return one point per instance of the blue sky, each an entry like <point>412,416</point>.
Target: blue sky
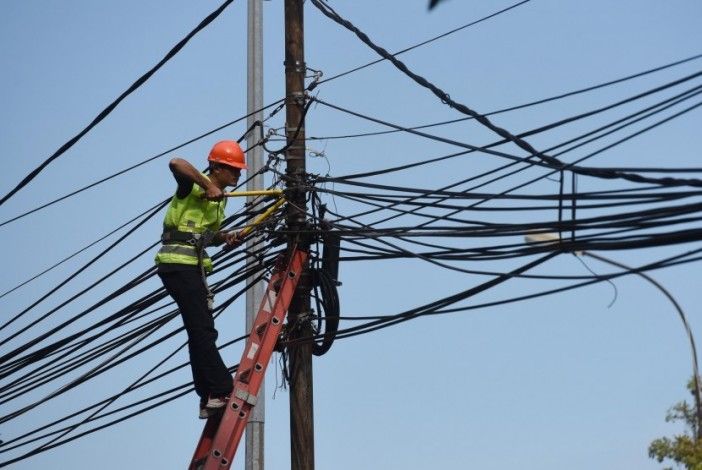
<point>562,381</point>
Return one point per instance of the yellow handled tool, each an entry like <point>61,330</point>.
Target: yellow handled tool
<point>264,192</point>
<point>268,212</point>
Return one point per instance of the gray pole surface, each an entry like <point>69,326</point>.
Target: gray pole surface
<point>254,428</point>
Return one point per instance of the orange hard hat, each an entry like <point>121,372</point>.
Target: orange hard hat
<point>228,152</point>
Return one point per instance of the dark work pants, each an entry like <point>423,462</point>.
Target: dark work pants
<point>210,375</point>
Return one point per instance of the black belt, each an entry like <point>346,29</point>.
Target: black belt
<point>176,236</point>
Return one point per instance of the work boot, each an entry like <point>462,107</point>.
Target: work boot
<point>204,412</point>
<point>212,405</point>
<point>216,402</point>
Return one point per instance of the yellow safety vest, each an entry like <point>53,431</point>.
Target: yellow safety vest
<point>191,214</point>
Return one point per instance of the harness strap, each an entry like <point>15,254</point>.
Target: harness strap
<point>176,236</point>
<point>195,246</point>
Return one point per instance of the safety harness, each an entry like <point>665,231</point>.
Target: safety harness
<point>197,242</point>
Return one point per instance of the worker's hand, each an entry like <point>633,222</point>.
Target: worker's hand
<point>213,193</point>
<point>233,239</point>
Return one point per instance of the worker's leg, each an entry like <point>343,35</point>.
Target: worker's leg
<point>209,372</point>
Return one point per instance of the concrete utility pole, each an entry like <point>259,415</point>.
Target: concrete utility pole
<point>254,428</point>
<point>300,355</point>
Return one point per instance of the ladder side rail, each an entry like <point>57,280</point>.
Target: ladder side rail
<point>213,423</point>
<point>222,433</point>
<point>274,307</point>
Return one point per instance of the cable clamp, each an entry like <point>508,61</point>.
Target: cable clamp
<point>316,77</point>
<point>297,97</point>
<point>306,316</point>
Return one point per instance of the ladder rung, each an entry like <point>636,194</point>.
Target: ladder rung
<point>244,375</point>
<point>260,329</point>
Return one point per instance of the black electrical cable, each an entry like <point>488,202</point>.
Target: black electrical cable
<point>328,310</point>
<point>632,222</point>
<point>76,253</point>
<point>224,305</point>
<point>97,371</point>
<point>522,227</point>
<point>114,422</point>
<point>47,351</point>
<point>105,112</point>
<point>670,101</point>
<point>137,165</point>
<point>409,314</point>
<point>67,440</point>
<point>43,352</point>
<point>386,200</point>
<point>55,369</point>
<point>134,386</point>
<point>33,342</point>
<point>445,98</point>
<point>448,33</point>
<point>596,172</point>
<point>595,241</point>
<point>611,131</point>
<point>599,151</point>
<point>412,254</point>
<point>7,448</point>
<point>113,362</point>
<point>667,262</point>
<point>437,311</point>
<point>122,317</point>
<point>433,218</point>
<point>76,273</point>
<point>518,107</point>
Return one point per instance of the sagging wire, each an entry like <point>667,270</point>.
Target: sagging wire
<point>143,162</point>
<point>523,106</point>
<point>155,211</point>
<point>222,307</point>
<point>435,38</point>
<point>592,153</point>
<point>560,203</point>
<point>105,112</point>
<point>548,160</point>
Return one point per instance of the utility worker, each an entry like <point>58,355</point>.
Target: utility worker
<point>192,222</point>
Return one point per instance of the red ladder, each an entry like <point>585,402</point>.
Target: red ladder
<point>222,433</point>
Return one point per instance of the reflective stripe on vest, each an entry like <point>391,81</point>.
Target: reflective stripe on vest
<point>182,254</point>
<point>179,250</point>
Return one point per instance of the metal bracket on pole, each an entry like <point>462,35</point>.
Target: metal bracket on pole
<point>296,66</point>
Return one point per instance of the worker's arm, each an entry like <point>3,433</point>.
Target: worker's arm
<point>231,238</point>
<point>186,174</point>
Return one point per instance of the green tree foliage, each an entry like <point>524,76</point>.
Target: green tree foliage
<point>684,449</point>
